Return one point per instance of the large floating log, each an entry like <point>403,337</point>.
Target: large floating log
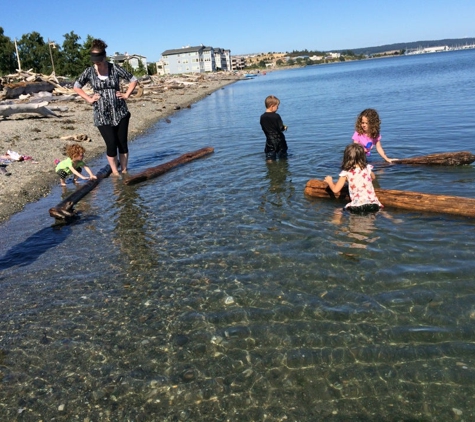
<point>407,200</point>
<point>153,172</point>
<point>441,159</point>
<point>64,209</point>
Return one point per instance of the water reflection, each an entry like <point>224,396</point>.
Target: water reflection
<point>131,227</point>
<point>357,228</point>
<point>280,183</point>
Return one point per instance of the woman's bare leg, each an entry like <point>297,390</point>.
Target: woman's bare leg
<point>124,159</point>
<point>113,165</point>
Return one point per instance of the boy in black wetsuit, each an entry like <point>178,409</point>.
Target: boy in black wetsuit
<point>273,128</point>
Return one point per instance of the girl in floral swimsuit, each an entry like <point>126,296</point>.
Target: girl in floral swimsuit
<point>359,176</point>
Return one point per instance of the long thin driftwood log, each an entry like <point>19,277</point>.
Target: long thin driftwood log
<point>64,209</point>
<point>38,108</point>
<point>407,200</point>
<point>459,158</point>
<point>153,172</point>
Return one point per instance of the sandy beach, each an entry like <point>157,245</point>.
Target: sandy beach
<point>39,138</point>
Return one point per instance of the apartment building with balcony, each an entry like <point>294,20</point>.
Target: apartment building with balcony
<point>238,62</point>
<point>198,59</point>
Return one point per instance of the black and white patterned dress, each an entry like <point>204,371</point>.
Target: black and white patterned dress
<point>108,110</point>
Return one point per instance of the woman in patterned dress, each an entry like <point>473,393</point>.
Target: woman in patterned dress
<point>111,115</point>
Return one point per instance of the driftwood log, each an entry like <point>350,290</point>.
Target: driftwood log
<point>65,209</point>
<point>153,172</point>
<point>14,90</point>
<point>441,159</point>
<point>76,138</point>
<point>38,108</point>
<point>407,200</point>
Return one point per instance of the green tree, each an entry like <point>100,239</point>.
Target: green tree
<point>34,53</point>
<point>70,60</point>
<point>7,54</point>
<point>85,52</point>
<point>141,70</point>
<point>126,65</point>
<point>151,69</point>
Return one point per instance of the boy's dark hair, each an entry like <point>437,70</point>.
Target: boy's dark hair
<point>374,123</point>
<point>271,100</point>
<point>354,156</point>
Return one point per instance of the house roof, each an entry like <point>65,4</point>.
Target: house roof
<point>126,56</point>
<point>183,50</point>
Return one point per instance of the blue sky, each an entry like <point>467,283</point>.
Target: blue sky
<point>149,27</point>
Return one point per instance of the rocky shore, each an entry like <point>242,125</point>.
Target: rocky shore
<point>41,140</point>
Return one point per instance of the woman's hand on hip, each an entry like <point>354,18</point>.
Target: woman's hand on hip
<point>121,95</point>
<point>94,98</point>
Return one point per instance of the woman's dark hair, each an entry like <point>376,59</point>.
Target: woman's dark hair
<point>98,45</point>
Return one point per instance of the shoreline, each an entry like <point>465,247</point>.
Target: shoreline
<point>39,138</point>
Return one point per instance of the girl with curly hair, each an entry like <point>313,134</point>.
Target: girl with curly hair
<point>367,133</point>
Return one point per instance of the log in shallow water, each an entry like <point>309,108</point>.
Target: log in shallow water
<point>440,159</point>
<point>153,172</point>
<point>414,201</point>
<point>64,209</point>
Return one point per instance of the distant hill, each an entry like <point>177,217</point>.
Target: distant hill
<point>411,45</point>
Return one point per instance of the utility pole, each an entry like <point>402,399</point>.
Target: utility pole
<point>17,57</point>
<point>53,45</point>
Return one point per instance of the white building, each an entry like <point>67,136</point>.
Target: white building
<point>160,67</point>
<point>436,49</point>
<point>223,59</point>
<point>238,62</point>
<point>132,59</point>
<point>198,59</point>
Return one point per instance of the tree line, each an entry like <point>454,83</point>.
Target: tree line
<point>68,59</point>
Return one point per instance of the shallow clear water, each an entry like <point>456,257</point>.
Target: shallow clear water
<point>220,292</point>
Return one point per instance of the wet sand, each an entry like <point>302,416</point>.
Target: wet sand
<point>38,138</point>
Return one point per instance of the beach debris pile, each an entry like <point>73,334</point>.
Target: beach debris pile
<point>76,138</point>
<point>28,82</point>
<point>30,92</point>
